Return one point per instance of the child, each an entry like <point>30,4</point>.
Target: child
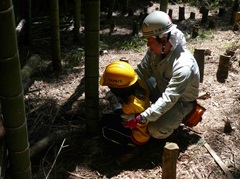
<point>129,96</point>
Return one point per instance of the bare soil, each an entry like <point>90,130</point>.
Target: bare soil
<point>55,105</point>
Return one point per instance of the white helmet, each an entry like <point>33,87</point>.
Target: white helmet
<point>157,23</point>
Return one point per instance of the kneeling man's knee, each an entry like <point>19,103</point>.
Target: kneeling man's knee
<point>159,132</point>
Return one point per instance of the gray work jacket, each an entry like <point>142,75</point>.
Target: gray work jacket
<point>177,77</point>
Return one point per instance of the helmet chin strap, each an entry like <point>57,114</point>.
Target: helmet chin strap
<point>163,44</point>
<point>163,49</point>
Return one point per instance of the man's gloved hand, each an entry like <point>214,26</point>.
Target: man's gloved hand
<point>112,98</point>
<point>133,123</point>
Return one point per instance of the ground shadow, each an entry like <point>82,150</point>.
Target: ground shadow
<point>110,160</point>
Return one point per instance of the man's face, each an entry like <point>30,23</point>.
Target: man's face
<point>154,45</point>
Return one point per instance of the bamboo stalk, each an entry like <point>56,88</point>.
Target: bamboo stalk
<point>92,63</point>
<point>77,13</point>
<point>11,96</point>
<point>55,36</point>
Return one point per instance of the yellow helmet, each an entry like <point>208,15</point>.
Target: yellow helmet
<point>119,74</point>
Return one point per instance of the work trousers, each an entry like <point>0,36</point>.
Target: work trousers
<point>164,126</point>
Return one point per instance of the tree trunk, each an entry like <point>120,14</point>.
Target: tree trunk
<point>25,12</point>
<point>110,8</point>
<point>11,96</point>
<point>92,28</point>
<point>164,5</point>
<point>125,6</point>
<point>55,36</point>
<point>77,13</point>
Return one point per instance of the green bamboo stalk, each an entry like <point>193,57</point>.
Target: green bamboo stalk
<point>163,5</point>
<point>110,9</point>
<point>77,13</point>
<point>55,35</point>
<point>28,17</point>
<point>92,27</point>
<point>125,6</point>
<point>25,13</point>
<point>11,96</point>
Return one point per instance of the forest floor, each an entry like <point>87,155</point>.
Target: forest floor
<point>55,108</point>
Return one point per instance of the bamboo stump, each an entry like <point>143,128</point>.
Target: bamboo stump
<point>135,31</point>
<point>221,11</point>
<point>170,12</point>
<point>195,30</point>
<point>199,56</point>
<point>236,21</point>
<point>235,6</point>
<point>204,15</point>
<point>212,24</point>
<point>181,13</point>
<point>222,72</point>
<point>169,160</point>
<point>192,15</point>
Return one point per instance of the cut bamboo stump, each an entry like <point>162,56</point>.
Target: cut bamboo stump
<point>199,56</point>
<point>192,15</point>
<point>170,12</point>
<point>236,23</point>
<point>235,6</point>
<point>222,11</point>
<point>205,15</point>
<point>222,72</point>
<point>195,30</point>
<point>212,24</point>
<point>181,13</point>
<point>135,31</point>
<point>169,160</point>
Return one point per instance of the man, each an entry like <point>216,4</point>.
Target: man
<point>171,73</point>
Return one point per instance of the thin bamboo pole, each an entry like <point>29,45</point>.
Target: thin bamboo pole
<point>164,5</point>
<point>77,15</point>
<point>55,35</point>
<point>11,96</point>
